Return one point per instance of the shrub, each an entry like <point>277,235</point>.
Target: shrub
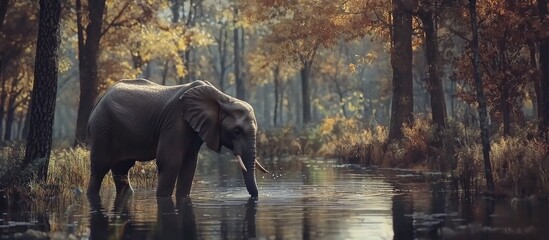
<point>521,165</point>
<point>349,141</point>
<point>68,174</point>
<point>469,172</point>
<point>11,176</point>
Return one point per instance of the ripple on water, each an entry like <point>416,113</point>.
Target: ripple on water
<point>301,198</point>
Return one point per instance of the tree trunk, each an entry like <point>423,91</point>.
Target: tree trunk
<point>44,87</point>
<point>341,96</point>
<point>10,116</point>
<point>276,79</point>
<point>306,98</point>
<point>434,85</point>
<point>240,88</point>
<point>535,81</point>
<point>26,123</point>
<point>189,52</point>
<point>165,69</point>
<point>222,48</point>
<point>4,4</point>
<point>402,106</point>
<point>266,90</point>
<point>298,107</point>
<point>505,109</point>
<point>3,97</point>
<point>281,104</point>
<point>20,125</point>
<point>544,80</point>
<point>88,62</point>
<point>483,114</point>
<point>188,66</point>
<point>175,7</point>
<point>12,105</point>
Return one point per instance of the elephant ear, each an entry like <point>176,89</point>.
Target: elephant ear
<point>202,109</point>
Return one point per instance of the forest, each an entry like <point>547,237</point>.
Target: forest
<point>459,88</point>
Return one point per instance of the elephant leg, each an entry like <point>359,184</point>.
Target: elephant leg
<point>168,159</point>
<point>99,168</point>
<point>188,168</point>
<point>96,178</point>
<point>167,174</point>
<point>120,176</point>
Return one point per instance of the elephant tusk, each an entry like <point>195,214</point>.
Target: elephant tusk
<point>241,163</point>
<point>261,168</point>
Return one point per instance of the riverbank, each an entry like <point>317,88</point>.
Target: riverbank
<point>520,163</point>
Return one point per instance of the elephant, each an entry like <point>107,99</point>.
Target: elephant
<point>139,120</point>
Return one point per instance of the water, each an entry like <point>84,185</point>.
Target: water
<point>299,199</point>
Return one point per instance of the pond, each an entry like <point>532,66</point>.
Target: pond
<point>300,199</point>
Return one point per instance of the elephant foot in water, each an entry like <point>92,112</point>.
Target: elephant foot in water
<point>122,184</point>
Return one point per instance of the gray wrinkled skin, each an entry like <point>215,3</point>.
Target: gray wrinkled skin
<point>138,120</point>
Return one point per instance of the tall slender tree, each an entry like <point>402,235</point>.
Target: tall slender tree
<point>307,64</point>
<point>544,67</point>
<point>44,86</point>
<point>88,54</point>
<point>401,61</point>
<point>482,109</point>
<point>4,4</point>
<point>240,89</point>
<point>434,83</point>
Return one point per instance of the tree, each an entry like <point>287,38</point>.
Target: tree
<point>88,53</point>
<point>300,28</point>
<point>237,38</point>
<point>401,61</point>
<point>44,87</point>
<point>544,67</point>
<point>4,5</point>
<point>16,98</point>
<point>434,83</point>
<point>305,72</point>
<point>507,72</point>
<point>482,109</point>
<point>188,18</point>
<point>265,66</point>
<point>17,39</point>
<point>219,52</point>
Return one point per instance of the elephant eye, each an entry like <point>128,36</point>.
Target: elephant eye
<point>237,131</point>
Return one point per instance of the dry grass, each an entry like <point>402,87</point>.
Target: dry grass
<point>521,166</point>
<point>68,175</point>
<point>520,163</point>
<point>347,140</point>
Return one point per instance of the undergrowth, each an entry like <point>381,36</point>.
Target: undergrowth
<point>520,163</point>
<point>68,175</point>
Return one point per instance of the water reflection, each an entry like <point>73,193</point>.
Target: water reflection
<point>114,224</point>
<point>302,199</point>
<point>175,221</point>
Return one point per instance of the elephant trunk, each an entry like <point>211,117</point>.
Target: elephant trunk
<point>249,173</point>
<point>249,179</point>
